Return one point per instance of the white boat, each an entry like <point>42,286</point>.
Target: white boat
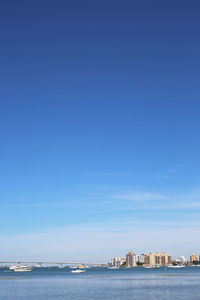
<point>113,267</point>
<point>176,266</point>
<point>23,268</point>
<point>149,267</point>
<point>14,267</point>
<point>157,266</point>
<point>77,271</point>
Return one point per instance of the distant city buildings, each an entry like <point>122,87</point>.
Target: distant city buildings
<point>153,260</point>
<point>149,259</point>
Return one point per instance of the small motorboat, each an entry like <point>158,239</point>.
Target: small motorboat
<point>76,271</point>
<point>175,266</point>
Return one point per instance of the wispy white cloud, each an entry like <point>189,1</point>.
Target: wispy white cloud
<point>140,196</point>
<point>126,200</point>
<point>145,200</point>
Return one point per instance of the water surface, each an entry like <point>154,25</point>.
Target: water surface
<point>101,283</point>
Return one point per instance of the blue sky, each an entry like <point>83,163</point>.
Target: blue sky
<point>99,128</point>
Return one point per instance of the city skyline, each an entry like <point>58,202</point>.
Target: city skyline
<point>156,259</point>
<point>99,129</point>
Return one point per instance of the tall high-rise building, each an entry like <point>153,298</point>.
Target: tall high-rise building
<point>193,258</point>
<point>161,259</point>
<point>131,259</point>
<point>140,258</point>
<point>149,259</point>
<point>165,259</point>
<point>157,259</point>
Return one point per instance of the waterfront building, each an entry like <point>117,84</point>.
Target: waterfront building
<point>149,259</point>
<point>123,261</point>
<point>165,259</point>
<point>182,260</point>
<point>157,259</point>
<point>131,259</point>
<point>118,261</point>
<point>140,259</point>
<point>161,259</point>
<point>193,258</point>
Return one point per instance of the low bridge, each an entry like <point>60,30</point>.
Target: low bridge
<point>39,262</point>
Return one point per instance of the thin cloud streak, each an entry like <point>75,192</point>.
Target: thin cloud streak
<point>140,200</point>
<point>140,196</point>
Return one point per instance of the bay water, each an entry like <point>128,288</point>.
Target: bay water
<point>101,283</point>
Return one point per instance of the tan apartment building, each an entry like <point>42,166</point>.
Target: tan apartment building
<point>193,258</point>
<point>161,259</point>
<point>149,259</point>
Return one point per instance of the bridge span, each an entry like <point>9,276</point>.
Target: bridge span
<point>40,262</point>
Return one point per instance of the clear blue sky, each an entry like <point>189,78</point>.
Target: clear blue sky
<point>99,128</point>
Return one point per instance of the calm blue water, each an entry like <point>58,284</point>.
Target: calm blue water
<point>99,283</point>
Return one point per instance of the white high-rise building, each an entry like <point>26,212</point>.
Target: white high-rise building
<point>116,261</point>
